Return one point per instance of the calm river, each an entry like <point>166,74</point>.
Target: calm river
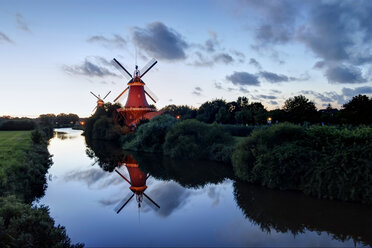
<point>183,203</point>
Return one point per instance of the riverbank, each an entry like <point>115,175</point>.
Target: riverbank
<point>24,161</point>
<point>325,162</point>
<point>322,161</point>
<point>332,162</point>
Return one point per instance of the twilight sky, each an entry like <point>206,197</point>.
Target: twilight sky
<point>53,53</point>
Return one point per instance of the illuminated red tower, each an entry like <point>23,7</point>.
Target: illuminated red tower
<point>136,107</point>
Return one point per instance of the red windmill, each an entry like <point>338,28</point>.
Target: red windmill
<point>136,107</point>
<point>137,185</point>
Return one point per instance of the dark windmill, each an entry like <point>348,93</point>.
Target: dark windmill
<point>100,101</point>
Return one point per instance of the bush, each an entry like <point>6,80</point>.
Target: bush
<point>322,161</point>
<point>150,136</point>
<point>342,167</point>
<point>191,139</point>
<point>239,130</point>
<point>24,226</point>
<point>272,157</point>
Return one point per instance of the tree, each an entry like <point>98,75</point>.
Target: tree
<point>184,111</point>
<point>299,109</point>
<point>358,110</point>
<point>223,116</point>
<point>208,110</point>
<point>244,116</point>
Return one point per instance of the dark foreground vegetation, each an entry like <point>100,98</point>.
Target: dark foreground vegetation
<point>327,154</point>
<point>24,161</point>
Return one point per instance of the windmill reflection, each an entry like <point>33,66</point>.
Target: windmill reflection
<point>137,181</point>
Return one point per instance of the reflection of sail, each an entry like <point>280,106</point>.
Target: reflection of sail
<point>288,211</point>
<point>137,184</point>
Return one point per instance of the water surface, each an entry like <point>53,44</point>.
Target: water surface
<point>200,203</point>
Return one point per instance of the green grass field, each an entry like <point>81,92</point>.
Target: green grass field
<point>13,147</point>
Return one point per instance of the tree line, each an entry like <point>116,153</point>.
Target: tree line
<point>298,110</point>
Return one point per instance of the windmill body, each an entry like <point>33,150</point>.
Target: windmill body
<point>136,106</point>
<point>100,101</point>
<point>137,181</point>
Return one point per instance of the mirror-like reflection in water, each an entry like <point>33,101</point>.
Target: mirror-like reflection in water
<point>154,201</point>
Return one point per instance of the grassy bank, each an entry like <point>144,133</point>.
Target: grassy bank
<point>13,149</point>
<point>24,161</point>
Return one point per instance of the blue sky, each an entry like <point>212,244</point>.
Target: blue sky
<point>53,53</point>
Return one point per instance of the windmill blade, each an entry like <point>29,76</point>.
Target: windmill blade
<point>107,95</point>
<point>148,198</point>
<point>123,203</point>
<point>94,95</point>
<point>121,94</point>
<point>122,98</point>
<point>123,177</point>
<point>94,108</point>
<point>148,67</point>
<point>122,69</point>
<point>94,162</point>
<point>150,97</point>
<point>151,94</point>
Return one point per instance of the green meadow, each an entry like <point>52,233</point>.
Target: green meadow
<point>13,148</point>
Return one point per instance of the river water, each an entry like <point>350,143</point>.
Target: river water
<point>195,203</point>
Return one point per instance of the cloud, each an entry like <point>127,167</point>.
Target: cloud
<point>277,20</point>
<point>339,33</point>
<point>267,97</point>
<point>276,91</point>
<point>223,58</point>
<point>319,65</point>
<point>116,42</point>
<point>4,37</point>
<point>239,56</point>
<point>211,44</point>
<point>275,78</point>
<point>218,86</point>
<point>91,69</point>
<point>327,97</point>
<point>343,75</point>
<point>170,196</point>
<point>197,91</point>
<point>160,41</point>
<point>21,23</point>
<point>243,78</point>
<point>255,63</point>
<point>273,102</point>
<point>359,90</point>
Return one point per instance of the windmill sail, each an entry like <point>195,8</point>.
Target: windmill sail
<point>151,94</point>
<point>148,67</point>
<point>122,69</point>
<point>122,93</point>
<point>123,203</point>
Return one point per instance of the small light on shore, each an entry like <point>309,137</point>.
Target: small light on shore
<point>178,117</point>
<point>269,121</point>
<point>82,123</point>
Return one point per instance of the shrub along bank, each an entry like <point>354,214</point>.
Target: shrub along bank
<point>322,161</point>
<point>24,162</point>
<point>326,162</point>
<point>189,139</point>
